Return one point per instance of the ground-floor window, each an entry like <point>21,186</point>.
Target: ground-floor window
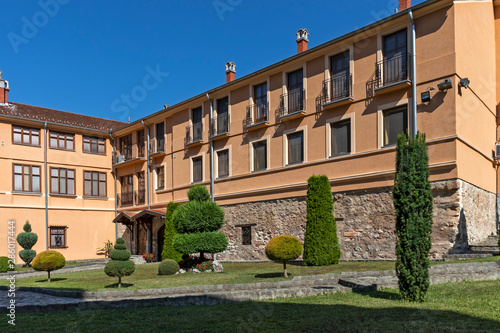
<point>58,237</point>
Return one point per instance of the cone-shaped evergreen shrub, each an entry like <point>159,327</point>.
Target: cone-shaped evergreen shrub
<point>168,251</point>
<point>5,265</point>
<point>27,240</point>
<point>168,267</point>
<point>282,249</point>
<point>197,222</point>
<point>48,261</point>
<point>413,204</point>
<point>119,265</point>
<point>321,245</point>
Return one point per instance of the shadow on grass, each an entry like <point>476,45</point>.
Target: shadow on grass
<point>52,280</point>
<point>380,294</point>
<point>115,285</point>
<point>271,275</point>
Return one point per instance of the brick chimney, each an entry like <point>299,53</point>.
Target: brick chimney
<point>230,71</point>
<point>4,90</point>
<point>302,40</point>
<point>404,4</point>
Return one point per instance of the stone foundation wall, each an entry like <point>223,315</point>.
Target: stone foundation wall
<point>463,214</point>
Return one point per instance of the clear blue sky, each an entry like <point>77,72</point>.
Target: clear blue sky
<point>84,56</point>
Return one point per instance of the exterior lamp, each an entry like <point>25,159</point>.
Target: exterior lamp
<point>464,82</point>
<point>445,85</point>
<point>426,95</point>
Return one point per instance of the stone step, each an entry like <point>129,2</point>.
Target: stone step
<point>489,241</point>
<point>465,256</point>
<point>484,249</point>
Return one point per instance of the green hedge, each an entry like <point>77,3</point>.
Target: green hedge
<point>198,193</point>
<point>198,216</point>
<point>208,242</point>
<point>4,265</point>
<point>168,267</point>
<point>321,244</point>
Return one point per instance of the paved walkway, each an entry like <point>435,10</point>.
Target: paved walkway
<point>45,300</point>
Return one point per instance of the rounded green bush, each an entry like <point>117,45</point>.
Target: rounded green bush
<point>283,248</point>
<point>208,242</point>
<point>197,216</point>
<point>27,239</point>
<point>27,256</point>
<point>120,241</point>
<point>119,269</point>
<point>120,247</point>
<point>168,267</point>
<point>48,261</point>
<point>4,265</point>
<point>198,193</point>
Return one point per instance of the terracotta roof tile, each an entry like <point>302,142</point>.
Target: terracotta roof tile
<point>61,117</point>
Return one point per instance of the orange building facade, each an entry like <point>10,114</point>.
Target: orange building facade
<point>334,109</point>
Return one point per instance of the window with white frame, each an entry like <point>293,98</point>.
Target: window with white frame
<point>223,163</point>
<point>197,169</point>
<point>160,178</point>
<point>340,136</point>
<point>259,155</point>
<point>295,149</point>
<point>26,178</point>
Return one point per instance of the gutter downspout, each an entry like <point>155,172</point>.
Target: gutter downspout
<point>114,176</point>
<point>147,160</point>
<point>46,186</point>
<point>212,186</point>
<point>414,73</point>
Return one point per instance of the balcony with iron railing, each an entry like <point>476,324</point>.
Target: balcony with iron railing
<point>220,125</point>
<point>128,155</point>
<point>393,73</point>
<point>257,115</point>
<point>194,134</point>
<point>292,104</point>
<point>157,146</point>
<point>337,90</point>
<point>125,198</point>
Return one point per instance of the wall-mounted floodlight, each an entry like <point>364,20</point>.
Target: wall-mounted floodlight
<point>445,85</point>
<point>426,95</point>
<point>464,82</point>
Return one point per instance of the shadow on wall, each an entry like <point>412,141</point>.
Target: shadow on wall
<point>461,244</point>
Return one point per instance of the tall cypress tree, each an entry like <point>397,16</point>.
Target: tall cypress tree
<point>168,251</point>
<point>413,204</point>
<point>321,245</point>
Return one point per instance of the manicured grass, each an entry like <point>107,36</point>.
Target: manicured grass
<point>452,307</point>
<point>22,269</point>
<point>146,276</point>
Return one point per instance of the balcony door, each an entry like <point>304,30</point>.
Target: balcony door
<point>126,146</point>
<point>127,183</point>
<point>260,98</point>
<point>141,193</point>
<point>295,88</point>
<point>340,85</point>
<point>160,137</point>
<point>196,120</point>
<point>222,124</point>
<point>395,65</point>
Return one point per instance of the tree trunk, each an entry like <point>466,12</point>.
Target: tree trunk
<point>202,256</point>
<point>119,282</point>
<point>49,275</point>
<point>284,267</point>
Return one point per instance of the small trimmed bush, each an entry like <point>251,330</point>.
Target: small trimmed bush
<point>4,265</point>
<point>207,242</point>
<point>168,250</point>
<point>119,265</point>
<point>282,249</point>
<point>198,193</point>
<point>48,261</point>
<point>198,216</point>
<point>27,240</point>
<point>168,267</point>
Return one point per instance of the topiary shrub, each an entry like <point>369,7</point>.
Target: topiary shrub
<point>282,249</point>
<point>168,267</point>
<point>198,193</point>
<point>4,265</point>
<point>119,265</point>
<point>197,222</point>
<point>413,204</point>
<point>321,244</point>
<point>48,261</point>
<point>27,240</point>
<point>168,251</point>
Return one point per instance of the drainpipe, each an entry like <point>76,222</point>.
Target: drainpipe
<point>114,176</point>
<point>46,186</point>
<point>212,193</point>
<point>414,73</point>
<point>147,162</point>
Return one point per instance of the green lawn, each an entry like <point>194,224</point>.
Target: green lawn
<point>146,276</point>
<point>452,307</point>
<point>22,268</point>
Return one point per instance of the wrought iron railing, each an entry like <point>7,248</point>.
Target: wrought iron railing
<point>257,113</point>
<point>125,198</point>
<point>292,102</point>
<point>194,133</point>
<point>156,146</point>
<point>337,87</point>
<point>220,124</point>
<point>140,196</point>
<point>393,70</point>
